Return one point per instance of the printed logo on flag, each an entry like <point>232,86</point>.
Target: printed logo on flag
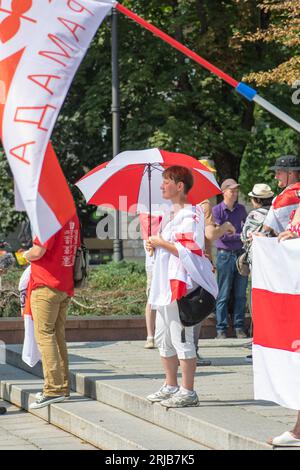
<point>14,15</point>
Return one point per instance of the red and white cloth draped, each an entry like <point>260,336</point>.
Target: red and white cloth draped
<point>42,44</point>
<point>276,318</point>
<point>282,206</point>
<point>173,276</point>
<point>30,353</point>
<point>123,183</point>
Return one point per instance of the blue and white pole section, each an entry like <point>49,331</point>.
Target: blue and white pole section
<point>251,95</point>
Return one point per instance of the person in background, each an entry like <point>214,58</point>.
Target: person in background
<point>150,314</point>
<point>287,174</point>
<point>212,233</point>
<point>261,199</point>
<point>2,408</point>
<point>229,249</point>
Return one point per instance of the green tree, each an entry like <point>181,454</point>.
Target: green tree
<point>283,30</point>
<point>169,101</point>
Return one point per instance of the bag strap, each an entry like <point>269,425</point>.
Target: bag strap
<point>183,338</point>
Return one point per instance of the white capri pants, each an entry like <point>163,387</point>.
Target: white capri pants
<point>168,334</point>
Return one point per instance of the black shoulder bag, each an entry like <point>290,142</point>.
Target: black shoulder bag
<point>195,307</point>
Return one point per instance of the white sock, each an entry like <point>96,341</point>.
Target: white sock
<point>171,388</point>
<point>149,338</point>
<point>187,392</point>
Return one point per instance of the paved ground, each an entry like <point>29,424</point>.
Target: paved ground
<point>228,381</point>
<point>20,430</point>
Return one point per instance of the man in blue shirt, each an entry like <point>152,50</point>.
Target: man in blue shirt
<point>229,248</point>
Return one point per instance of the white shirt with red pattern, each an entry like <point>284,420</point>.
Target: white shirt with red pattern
<point>174,276</point>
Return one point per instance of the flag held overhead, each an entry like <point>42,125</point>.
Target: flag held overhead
<point>43,44</point>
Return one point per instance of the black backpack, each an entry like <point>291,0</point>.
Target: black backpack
<point>81,266</point>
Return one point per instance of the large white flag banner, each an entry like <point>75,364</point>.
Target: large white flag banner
<point>42,43</point>
<point>276,319</point>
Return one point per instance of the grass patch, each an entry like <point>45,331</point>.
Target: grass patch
<point>113,289</point>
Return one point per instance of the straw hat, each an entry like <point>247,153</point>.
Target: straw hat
<point>261,191</point>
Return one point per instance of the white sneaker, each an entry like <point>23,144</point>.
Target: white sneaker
<point>287,439</point>
<point>181,400</point>
<point>45,401</point>
<point>162,394</point>
<point>149,344</point>
<point>39,395</point>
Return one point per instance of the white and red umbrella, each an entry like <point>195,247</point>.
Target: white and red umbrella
<point>137,175</point>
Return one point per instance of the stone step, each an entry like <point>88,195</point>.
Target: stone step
<point>20,430</point>
<point>101,425</point>
<point>214,424</point>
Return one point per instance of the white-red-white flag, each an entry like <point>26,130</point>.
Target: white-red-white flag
<point>42,45</point>
<point>276,318</point>
<point>279,214</point>
<point>30,352</point>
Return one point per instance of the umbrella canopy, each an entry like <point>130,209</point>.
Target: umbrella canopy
<point>137,175</point>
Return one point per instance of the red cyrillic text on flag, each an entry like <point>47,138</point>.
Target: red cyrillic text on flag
<point>22,149</point>
<point>28,115</point>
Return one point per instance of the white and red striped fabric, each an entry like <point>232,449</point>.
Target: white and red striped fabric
<point>30,352</point>
<point>42,44</point>
<point>276,318</point>
<point>126,175</point>
<point>282,206</point>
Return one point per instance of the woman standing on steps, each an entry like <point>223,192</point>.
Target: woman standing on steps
<point>180,266</point>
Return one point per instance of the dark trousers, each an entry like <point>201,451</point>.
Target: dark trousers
<point>229,280</point>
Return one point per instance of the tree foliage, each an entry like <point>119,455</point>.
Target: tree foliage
<point>170,102</point>
<point>282,30</point>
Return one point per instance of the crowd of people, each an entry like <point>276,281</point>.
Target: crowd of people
<point>233,229</point>
<point>179,259</point>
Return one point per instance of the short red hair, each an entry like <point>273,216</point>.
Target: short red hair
<point>180,174</point>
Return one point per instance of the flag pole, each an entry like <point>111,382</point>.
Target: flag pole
<point>247,92</point>
<point>115,108</point>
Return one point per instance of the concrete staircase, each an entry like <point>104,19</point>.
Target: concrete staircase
<point>108,407</point>
<point>101,425</point>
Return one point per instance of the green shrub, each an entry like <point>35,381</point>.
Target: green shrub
<point>113,289</point>
<point>9,295</point>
